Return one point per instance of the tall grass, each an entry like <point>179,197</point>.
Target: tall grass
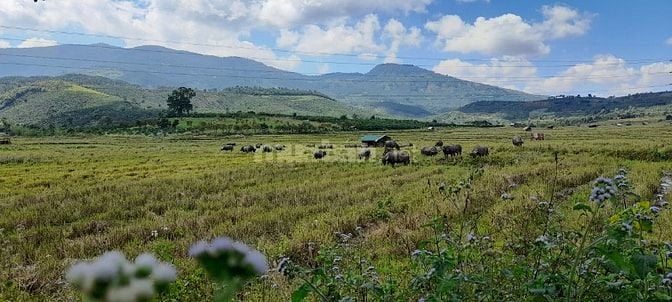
<point>64,199</point>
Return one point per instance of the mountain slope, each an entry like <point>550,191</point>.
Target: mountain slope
<point>154,66</point>
<point>567,106</point>
<point>80,100</point>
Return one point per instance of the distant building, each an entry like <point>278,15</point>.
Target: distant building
<point>375,140</point>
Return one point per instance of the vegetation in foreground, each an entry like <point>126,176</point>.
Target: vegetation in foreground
<point>509,226</point>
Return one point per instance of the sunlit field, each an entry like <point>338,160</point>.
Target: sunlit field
<point>63,199</point>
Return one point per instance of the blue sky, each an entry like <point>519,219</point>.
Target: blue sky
<point>600,47</point>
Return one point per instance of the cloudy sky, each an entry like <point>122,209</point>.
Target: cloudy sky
<point>601,47</point>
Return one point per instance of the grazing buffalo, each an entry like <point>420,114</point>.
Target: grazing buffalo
<point>396,157</point>
<point>452,150</point>
<point>439,144</point>
<point>325,146</point>
<point>517,141</point>
<point>248,149</point>
<point>279,147</point>
<point>258,145</point>
<point>364,154</point>
<point>480,151</point>
<point>538,136</point>
<point>429,151</point>
<point>227,147</point>
<point>392,144</point>
<point>266,149</point>
<point>319,154</point>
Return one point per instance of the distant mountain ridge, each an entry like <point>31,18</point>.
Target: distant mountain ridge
<point>82,100</point>
<point>568,106</point>
<point>417,89</point>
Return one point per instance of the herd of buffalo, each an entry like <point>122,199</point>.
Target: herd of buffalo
<point>392,153</point>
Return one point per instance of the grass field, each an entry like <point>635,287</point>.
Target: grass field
<point>69,198</point>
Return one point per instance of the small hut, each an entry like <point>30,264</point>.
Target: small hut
<point>375,140</point>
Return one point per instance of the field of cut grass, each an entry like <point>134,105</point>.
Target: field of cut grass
<point>68,198</point>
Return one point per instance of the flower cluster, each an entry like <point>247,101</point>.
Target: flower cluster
<point>224,259</point>
<point>111,277</point>
<point>603,190</point>
<point>286,267</point>
<point>621,180</point>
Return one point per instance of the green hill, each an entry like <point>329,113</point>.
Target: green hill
<point>568,106</point>
<point>79,100</point>
<point>387,89</point>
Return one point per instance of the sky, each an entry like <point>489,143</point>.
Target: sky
<point>604,48</point>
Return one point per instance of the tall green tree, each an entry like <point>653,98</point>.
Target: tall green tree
<point>179,101</point>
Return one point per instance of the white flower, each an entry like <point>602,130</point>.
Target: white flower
<point>257,260</point>
<point>143,289</point>
<point>283,264</point>
<point>105,270</point>
<point>78,275</point>
<point>543,239</point>
<point>164,273</point>
<point>146,260</point>
<point>221,244</point>
<point>198,249</point>
<point>240,247</point>
<point>121,294</point>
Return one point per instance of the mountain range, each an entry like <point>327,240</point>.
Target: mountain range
<point>387,89</point>
<point>81,100</point>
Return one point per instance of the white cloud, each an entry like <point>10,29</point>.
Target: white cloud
<point>5,44</point>
<point>367,56</point>
<point>223,28</point>
<point>505,72</point>
<point>36,42</point>
<point>606,72</point>
<point>287,38</point>
<point>509,34</point>
<point>562,21</point>
<point>366,38</point>
<point>323,68</point>
<point>399,36</point>
<point>605,75</point>
<point>288,13</point>
<point>669,41</point>
<point>340,38</point>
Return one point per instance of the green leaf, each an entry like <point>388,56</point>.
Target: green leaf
<point>617,262</point>
<point>644,264</point>
<point>580,206</point>
<point>301,293</point>
<point>660,296</point>
<point>646,225</point>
